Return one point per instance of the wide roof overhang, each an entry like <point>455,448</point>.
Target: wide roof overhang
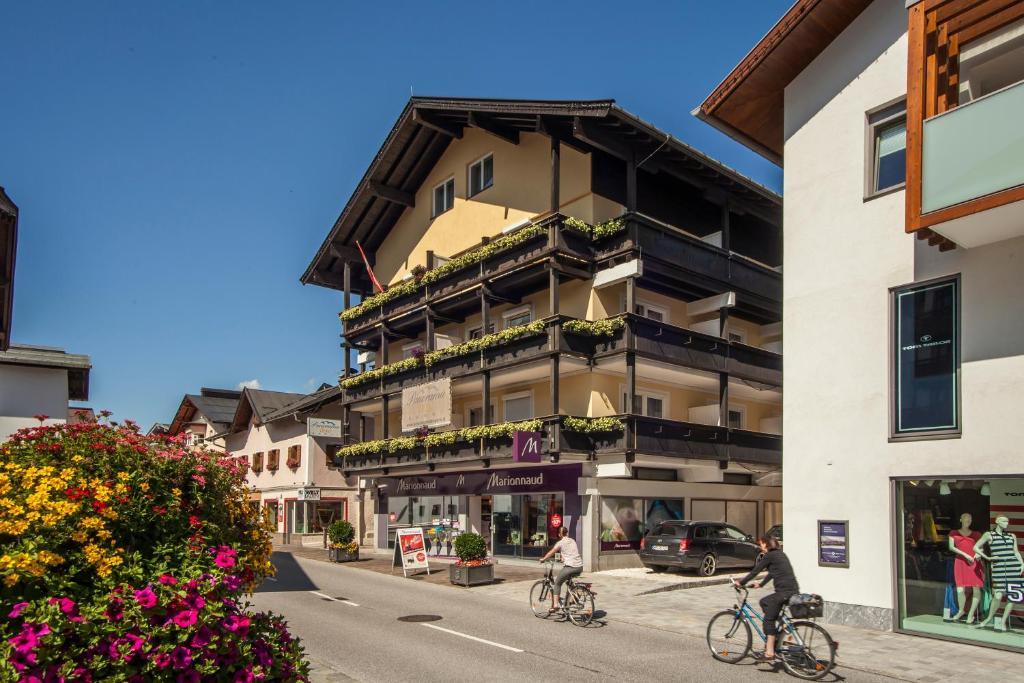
<point>427,125</point>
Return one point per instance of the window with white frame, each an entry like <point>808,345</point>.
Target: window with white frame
<point>887,151</point>
<point>481,175</point>
<point>518,407</point>
<point>478,331</point>
<point>517,316</point>
<point>444,197</point>
<point>647,310</point>
<point>646,403</point>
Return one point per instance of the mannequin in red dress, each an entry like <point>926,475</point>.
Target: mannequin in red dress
<point>967,569</point>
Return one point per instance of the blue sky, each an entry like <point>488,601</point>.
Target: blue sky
<point>177,164</point>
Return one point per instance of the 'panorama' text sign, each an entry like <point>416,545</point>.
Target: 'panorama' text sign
<point>427,405</point>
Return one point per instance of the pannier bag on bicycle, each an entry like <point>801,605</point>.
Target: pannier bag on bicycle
<point>806,606</point>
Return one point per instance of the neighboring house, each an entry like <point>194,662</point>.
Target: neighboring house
<point>200,417</point>
<point>34,380</point>
<point>504,229</point>
<point>288,465</point>
<point>80,415</point>
<point>39,380</point>
<point>158,429</point>
<point>900,127</point>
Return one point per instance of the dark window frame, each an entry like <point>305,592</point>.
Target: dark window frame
<point>877,120</point>
<point>449,197</point>
<point>479,164</point>
<point>956,432</point>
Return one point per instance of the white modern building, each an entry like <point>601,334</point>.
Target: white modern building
<point>900,129</point>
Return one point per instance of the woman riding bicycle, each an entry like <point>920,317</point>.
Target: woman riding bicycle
<point>775,562</point>
<point>573,563</point>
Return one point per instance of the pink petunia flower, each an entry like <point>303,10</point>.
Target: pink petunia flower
<point>162,660</point>
<point>146,598</point>
<point>225,558</point>
<point>185,618</point>
<point>180,657</point>
<point>168,580</point>
<point>17,609</point>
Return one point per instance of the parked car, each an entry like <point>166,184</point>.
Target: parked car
<point>702,546</point>
<point>775,531</point>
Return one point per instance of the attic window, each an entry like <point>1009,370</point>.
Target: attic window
<point>481,175</point>
<point>444,197</point>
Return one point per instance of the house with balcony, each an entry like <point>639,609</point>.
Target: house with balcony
<point>899,126</point>
<point>578,323</point>
<point>203,418</point>
<point>288,442</point>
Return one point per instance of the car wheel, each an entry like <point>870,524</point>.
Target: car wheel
<point>656,568</point>
<point>708,566</point>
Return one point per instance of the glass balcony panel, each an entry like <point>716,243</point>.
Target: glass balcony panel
<point>974,150</point>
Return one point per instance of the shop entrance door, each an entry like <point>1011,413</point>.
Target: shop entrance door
<point>527,525</point>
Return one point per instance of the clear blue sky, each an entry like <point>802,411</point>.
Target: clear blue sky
<point>178,163</point>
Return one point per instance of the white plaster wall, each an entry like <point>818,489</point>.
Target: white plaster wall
<point>842,254</point>
<point>27,391</point>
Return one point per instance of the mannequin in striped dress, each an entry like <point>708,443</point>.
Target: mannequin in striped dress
<point>1007,568</point>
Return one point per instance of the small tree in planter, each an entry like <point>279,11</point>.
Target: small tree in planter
<point>343,547</point>
<point>472,568</point>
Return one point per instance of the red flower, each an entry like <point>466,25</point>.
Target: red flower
<point>42,418</point>
<point>99,505</point>
<point>194,521</point>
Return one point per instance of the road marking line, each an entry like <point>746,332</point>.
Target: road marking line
<point>466,635</point>
<point>328,597</point>
<point>271,578</point>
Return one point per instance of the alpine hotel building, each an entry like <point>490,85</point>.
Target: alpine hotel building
<point>580,326</point>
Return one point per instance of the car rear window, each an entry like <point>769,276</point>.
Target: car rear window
<point>667,529</point>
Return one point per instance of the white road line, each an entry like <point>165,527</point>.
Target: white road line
<point>479,640</point>
<point>328,597</point>
<point>271,578</point>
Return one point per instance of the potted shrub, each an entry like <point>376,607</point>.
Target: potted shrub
<point>472,568</point>
<point>343,548</point>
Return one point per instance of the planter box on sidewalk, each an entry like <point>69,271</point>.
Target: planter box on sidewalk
<point>462,575</point>
<point>339,555</point>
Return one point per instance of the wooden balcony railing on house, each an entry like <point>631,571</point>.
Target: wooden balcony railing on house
<point>634,435</point>
<point>448,287</point>
<point>965,181</point>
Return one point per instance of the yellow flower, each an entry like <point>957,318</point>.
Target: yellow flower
<point>123,476</point>
<point>77,458</point>
<point>79,537</point>
<point>144,486</point>
<point>10,580</point>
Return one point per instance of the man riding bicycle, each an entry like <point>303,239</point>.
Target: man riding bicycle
<point>573,563</point>
<point>775,562</point>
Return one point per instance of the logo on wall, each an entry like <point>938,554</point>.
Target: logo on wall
<point>556,520</point>
<point>461,480</point>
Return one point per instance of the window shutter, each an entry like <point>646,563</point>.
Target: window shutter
<point>257,462</point>
<point>273,459</point>
<point>294,456</point>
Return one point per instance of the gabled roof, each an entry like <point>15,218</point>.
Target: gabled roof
<point>77,365</point>
<point>427,125</point>
<point>748,104</point>
<point>216,406</point>
<point>307,404</point>
<point>259,403</point>
<point>8,250</point>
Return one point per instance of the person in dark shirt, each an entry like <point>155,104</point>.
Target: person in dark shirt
<point>775,562</point>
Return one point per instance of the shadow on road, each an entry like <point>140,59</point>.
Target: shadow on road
<point>290,576</point>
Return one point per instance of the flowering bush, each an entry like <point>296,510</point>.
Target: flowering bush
<point>471,549</point>
<point>126,557</point>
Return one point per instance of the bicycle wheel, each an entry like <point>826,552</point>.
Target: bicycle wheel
<point>542,599</point>
<point>580,606</point>
<point>810,654</point>
<point>728,637</point>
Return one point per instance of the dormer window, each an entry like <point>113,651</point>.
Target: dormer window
<point>481,175</point>
<point>444,197</point>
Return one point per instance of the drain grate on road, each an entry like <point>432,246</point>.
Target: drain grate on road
<point>418,618</point>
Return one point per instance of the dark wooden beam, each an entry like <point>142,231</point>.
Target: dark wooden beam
<point>392,194</point>
<point>489,125</point>
<point>433,123</point>
<point>347,254</point>
<point>499,299</point>
<point>556,173</point>
<point>589,133</point>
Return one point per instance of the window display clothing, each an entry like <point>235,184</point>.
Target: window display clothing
<point>1006,565</point>
<point>966,574</point>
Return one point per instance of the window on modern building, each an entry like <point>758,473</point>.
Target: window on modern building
<point>444,197</point>
<point>737,418</point>
<point>518,407</point>
<point>887,153</point>
<point>738,336</point>
<point>517,316</point>
<point>644,403</point>
<point>481,175</point>
<point>648,310</point>
<point>655,474</point>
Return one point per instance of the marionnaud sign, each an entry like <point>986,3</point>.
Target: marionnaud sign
<point>516,480</point>
<point>427,405</point>
<point>318,426</point>
<point>526,446</point>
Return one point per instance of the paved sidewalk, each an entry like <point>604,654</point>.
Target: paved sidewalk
<point>628,598</point>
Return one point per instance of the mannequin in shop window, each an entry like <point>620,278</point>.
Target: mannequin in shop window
<point>1007,568</point>
<point>968,572</point>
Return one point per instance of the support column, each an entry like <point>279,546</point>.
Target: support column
<point>630,398</point>
<point>347,303</point>
<point>556,173</point>
<point>485,311</point>
<point>382,360</point>
<point>430,329</point>
<point>723,377</point>
<point>555,339</point>
<point>485,410</point>
<point>631,184</point>
<point>631,295</point>
<point>726,240</point>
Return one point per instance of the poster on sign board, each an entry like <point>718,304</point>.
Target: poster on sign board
<point>833,543</point>
<point>410,550</point>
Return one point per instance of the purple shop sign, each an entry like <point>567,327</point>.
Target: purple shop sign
<point>526,446</point>
<point>476,482</point>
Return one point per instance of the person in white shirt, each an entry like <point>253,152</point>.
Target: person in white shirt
<point>571,561</point>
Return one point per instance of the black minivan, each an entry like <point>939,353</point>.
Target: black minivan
<point>703,546</point>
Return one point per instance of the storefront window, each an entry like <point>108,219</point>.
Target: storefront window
<point>961,571</point>
<point>624,521</point>
<point>526,526</point>
<point>312,517</point>
<point>439,516</point>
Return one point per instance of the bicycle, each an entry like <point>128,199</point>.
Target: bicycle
<point>577,605</point>
<point>806,649</point>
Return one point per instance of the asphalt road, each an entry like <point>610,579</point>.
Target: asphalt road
<point>349,621</point>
